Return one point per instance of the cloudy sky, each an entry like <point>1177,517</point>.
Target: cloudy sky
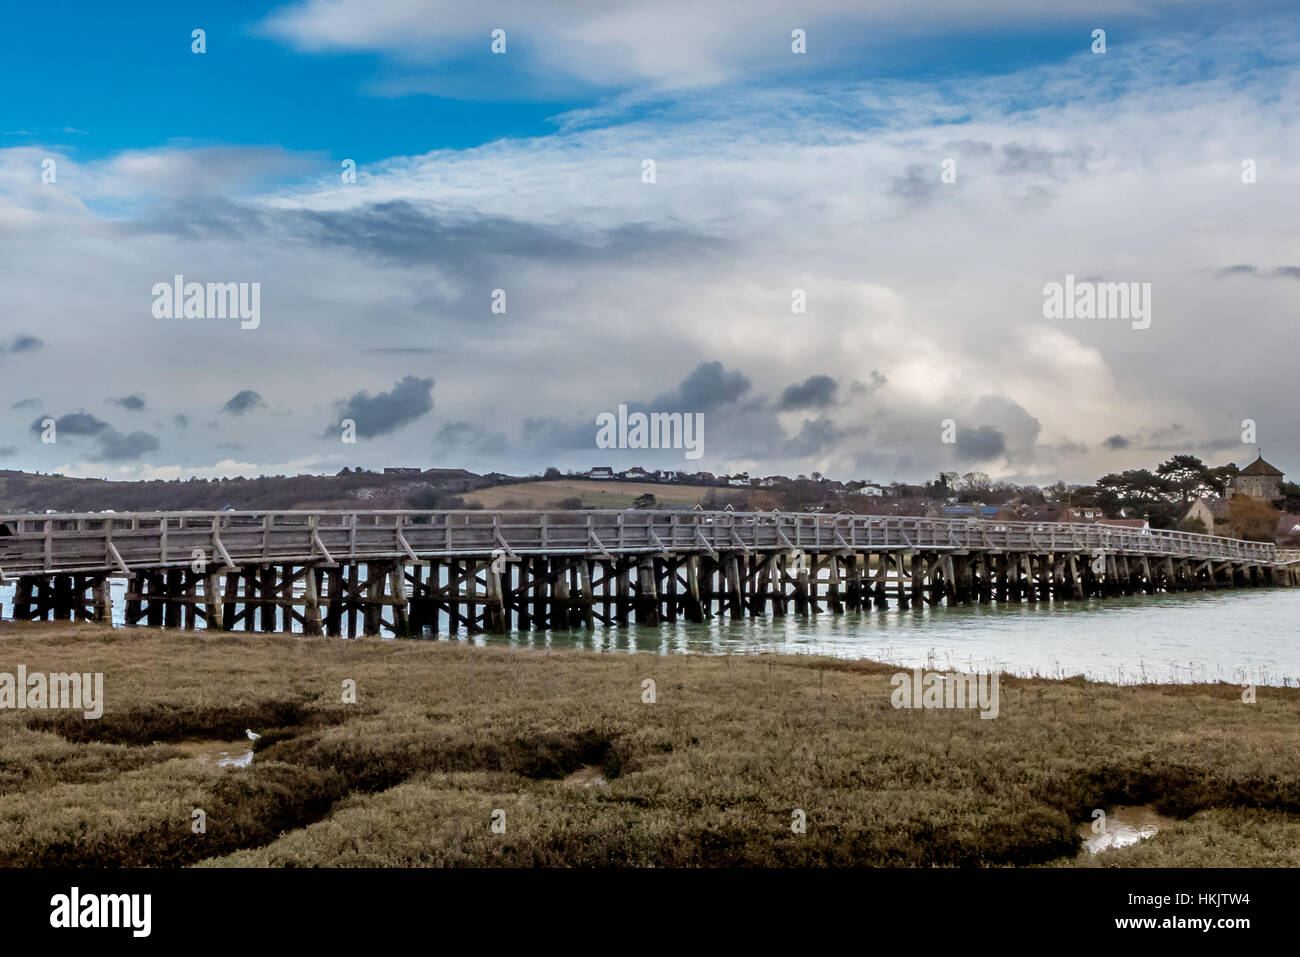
<point>774,171</point>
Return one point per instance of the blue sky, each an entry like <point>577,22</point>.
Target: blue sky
<point>122,77</point>
<point>523,172</point>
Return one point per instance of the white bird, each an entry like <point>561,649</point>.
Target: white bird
<point>251,735</point>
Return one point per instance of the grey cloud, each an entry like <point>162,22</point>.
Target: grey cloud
<point>1017,160</point>
<point>22,343</point>
<point>707,387</point>
<point>1277,272</point>
<point>243,401</point>
<point>1238,270</point>
<point>815,392</point>
<point>470,437</point>
<point>971,147</point>
<point>917,184</point>
<point>549,432</point>
<point>1171,438</point>
<point>132,403</point>
<point>406,232</point>
<point>32,403</point>
<point>980,445</point>
<point>877,382</point>
<point>74,423</point>
<point>181,419</point>
<point>1019,430</point>
<point>385,412</point>
<point>116,447</point>
<point>816,436</point>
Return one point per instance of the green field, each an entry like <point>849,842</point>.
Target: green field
<point>444,737</point>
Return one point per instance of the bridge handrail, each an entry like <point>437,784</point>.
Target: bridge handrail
<point>128,541</point>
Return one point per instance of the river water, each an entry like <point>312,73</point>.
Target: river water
<point>1245,636</point>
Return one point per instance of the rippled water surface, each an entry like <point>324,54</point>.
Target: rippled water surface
<point>1247,635</point>
<point>1241,636</point>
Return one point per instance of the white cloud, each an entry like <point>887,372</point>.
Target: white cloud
<point>669,44</point>
<point>618,289</point>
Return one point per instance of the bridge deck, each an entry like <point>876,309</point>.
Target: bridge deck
<point>123,543</point>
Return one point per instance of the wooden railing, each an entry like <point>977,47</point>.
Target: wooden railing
<point>122,543</point>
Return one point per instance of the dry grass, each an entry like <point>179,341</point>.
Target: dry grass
<point>444,734</point>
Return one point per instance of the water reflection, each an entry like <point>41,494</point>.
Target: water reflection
<point>1238,637</point>
<point>1124,826</point>
<point>1241,636</point>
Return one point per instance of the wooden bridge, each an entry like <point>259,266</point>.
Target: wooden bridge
<point>406,572</point>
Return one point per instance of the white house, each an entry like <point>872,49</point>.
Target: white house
<point>601,472</point>
<point>871,489</point>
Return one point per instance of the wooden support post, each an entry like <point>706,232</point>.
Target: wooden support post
<point>647,593</point>
<point>494,612</point>
<point>833,586</point>
<point>623,590</point>
<point>1076,586</point>
<point>559,578</point>
<point>694,607</point>
<point>1011,573</point>
<point>801,585</point>
<point>853,587</point>
<point>372,612</point>
<point>516,587</point>
<point>211,600</point>
<point>62,597</point>
<point>156,604</point>
<point>670,590</point>
<point>190,609</point>
<point>23,599</point>
<point>588,597</point>
<point>103,590</point>
<point>397,595</point>
<point>266,598</point>
<point>228,595</point>
<point>732,573</point>
<point>334,609</point>
<point>451,596</point>
<point>776,583</point>
<point>311,618</point>
<point>949,580</point>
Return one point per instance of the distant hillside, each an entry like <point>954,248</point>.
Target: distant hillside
<point>22,492</point>
<point>563,493</point>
